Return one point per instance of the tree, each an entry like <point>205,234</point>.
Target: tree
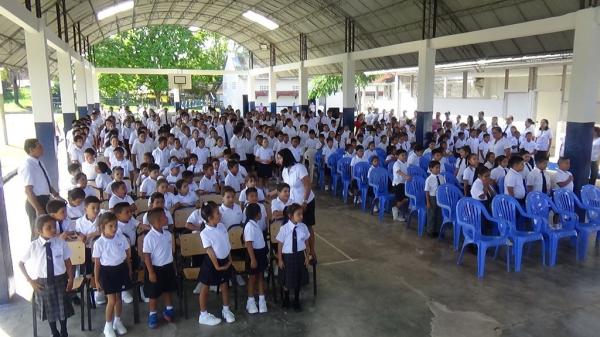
<point>156,47</point>
<point>325,85</point>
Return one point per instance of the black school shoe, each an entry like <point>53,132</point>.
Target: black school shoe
<point>297,306</point>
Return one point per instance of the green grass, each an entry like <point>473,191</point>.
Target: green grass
<point>24,101</point>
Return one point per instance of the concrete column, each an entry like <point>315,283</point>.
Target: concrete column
<point>89,87</point>
<point>348,91</point>
<point>465,84</point>
<point>2,115</point>
<point>7,276</point>
<point>585,74</point>
<point>303,92</point>
<point>272,91</point>
<point>96,89</point>
<point>506,78</point>
<point>426,77</point>
<point>41,99</point>
<point>177,99</point>
<point>532,79</point>
<point>445,87</point>
<point>251,92</point>
<point>67,95</point>
<point>245,105</point>
<point>396,95</point>
<point>80,89</point>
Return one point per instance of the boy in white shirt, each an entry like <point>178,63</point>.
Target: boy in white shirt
<point>563,178</point>
<point>401,176</point>
<point>208,184</point>
<point>279,204</point>
<point>233,178</point>
<point>513,181</point>
<point>415,156</point>
<point>538,179</point>
<point>162,153</point>
<point>434,212</point>
<point>149,184</point>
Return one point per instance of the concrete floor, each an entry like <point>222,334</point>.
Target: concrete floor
<point>380,279</point>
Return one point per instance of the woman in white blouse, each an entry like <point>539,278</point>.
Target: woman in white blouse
<point>543,139</point>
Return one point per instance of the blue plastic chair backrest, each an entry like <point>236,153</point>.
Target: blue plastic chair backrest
<point>378,179</point>
<point>449,168</point>
<point>340,151</point>
<point>565,200</point>
<point>343,167</point>
<point>360,172</point>
<point>424,162</point>
<point>500,183</point>
<point>332,161</point>
<point>415,171</point>
<point>590,196</point>
<point>505,207</point>
<point>450,178</point>
<point>415,187</point>
<point>319,158</point>
<point>380,153</point>
<point>451,160</point>
<point>468,216</point>
<point>390,169</point>
<point>427,155</point>
<point>447,197</point>
<point>538,204</point>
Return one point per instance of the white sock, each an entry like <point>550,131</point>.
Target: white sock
<point>225,307</point>
<point>250,298</point>
<point>116,319</point>
<point>108,325</point>
<point>261,298</point>
<point>203,313</point>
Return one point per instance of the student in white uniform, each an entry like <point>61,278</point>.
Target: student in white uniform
<point>282,201</point>
<point>292,255</point>
<point>500,168</point>
<point>159,280</point>
<point>461,162</point>
<point>563,178</point>
<point>119,194</point>
<point>434,212</point>
<point>513,181</point>
<point>401,176</point>
<point>149,184</point>
<point>47,267</point>
<point>543,139</point>
<point>469,174</point>
<point>482,189</point>
<point>216,267</point>
<point>257,256</point>
<point>112,267</point>
<point>538,179</point>
<point>234,178</point>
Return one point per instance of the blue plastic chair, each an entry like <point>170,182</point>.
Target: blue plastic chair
<point>451,160</point>
<point>416,171</point>
<point>381,154</point>
<point>378,180</point>
<point>345,174</point>
<point>390,170</point>
<point>500,184</point>
<point>451,179</point>
<point>332,165</point>
<point>427,155</point>
<point>359,173</point>
<point>340,151</point>
<point>415,191</point>
<point>506,207</point>
<point>449,168</point>
<point>567,203</point>
<point>424,162</point>
<point>590,198</point>
<point>469,214</point>
<point>447,197</point>
<point>539,205</point>
<point>320,167</point>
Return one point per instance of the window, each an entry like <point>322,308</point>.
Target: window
<point>233,85</point>
<point>263,88</point>
<point>296,87</point>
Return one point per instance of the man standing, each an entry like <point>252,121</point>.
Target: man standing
<point>38,188</point>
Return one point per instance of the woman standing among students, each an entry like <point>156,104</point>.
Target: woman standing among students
<point>296,175</point>
<point>543,140</point>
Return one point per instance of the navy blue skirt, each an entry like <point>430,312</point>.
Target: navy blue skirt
<point>211,276</point>
<point>294,273</point>
<point>261,261</point>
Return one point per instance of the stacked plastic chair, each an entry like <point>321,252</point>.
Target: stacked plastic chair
<point>359,174</point>
<point>332,165</point>
<point>447,197</point>
<point>415,191</point>
<point>416,171</point>
<point>378,180</point>
<point>344,172</point>
<point>320,167</point>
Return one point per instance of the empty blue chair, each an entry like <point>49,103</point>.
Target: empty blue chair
<point>506,207</point>
<point>344,172</point>
<point>332,165</point>
<point>424,162</point>
<point>390,170</point>
<point>447,197</point>
<point>416,171</point>
<point>415,191</point>
<point>381,154</point>
<point>451,179</point>
<point>378,180</point>
<point>590,198</point>
<point>360,175</point>
<point>427,155</point>
<point>469,214</point>
<point>451,160</point>
<point>567,203</point>
<point>449,168</point>
<point>539,205</point>
<point>340,151</point>
<point>320,167</point>
<point>500,185</point>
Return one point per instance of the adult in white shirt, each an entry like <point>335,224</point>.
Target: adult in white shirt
<point>296,176</point>
<point>595,156</point>
<point>140,147</point>
<point>500,145</point>
<point>543,139</point>
<point>38,187</point>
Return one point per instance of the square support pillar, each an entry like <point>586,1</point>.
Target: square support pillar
<point>251,92</point>
<point>303,88</point>
<point>67,95</point>
<point>80,89</point>
<point>426,77</point>
<point>583,94</point>
<point>348,92</point>
<point>96,89</point>
<point>272,91</point>
<point>41,99</point>
<point>89,87</point>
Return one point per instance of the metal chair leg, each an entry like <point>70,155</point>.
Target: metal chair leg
<point>314,279</point>
<point>136,303</point>
<point>82,307</point>
<point>34,310</point>
<point>89,299</point>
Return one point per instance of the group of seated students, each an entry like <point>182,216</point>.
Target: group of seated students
<point>116,160</point>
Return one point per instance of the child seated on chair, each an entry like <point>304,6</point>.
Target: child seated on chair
<point>434,212</point>
<point>257,257</point>
<point>112,271</point>
<point>282,201</point>
<point>251,181</point>
<point>401,176</point>
<point>159,278</point>
<point>119,195</point>
<point>216,269</point>
<point>469,175</point>
<point>149,184</point>
<point>514,184</point>
<point>208,183</point>
<point>49,259</point>
<point>75,207</point>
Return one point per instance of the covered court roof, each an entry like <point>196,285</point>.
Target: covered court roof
<point>377,23</point>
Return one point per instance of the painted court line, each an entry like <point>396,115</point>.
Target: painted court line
<point>334,247</point>
<point>336,262</point>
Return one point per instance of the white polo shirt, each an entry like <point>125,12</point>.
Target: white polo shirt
<point>234,181</point>
<point>285,236</point>
<point>112,252</point>
<point>231,216</point>
<point>543,139</point>
<point>469,175</point>
<point>514,179</point>
<point>259,191</point>
<point>128,229</point>
<point>85,226</point>
<point>217,239</point>
<point>293,176</point>
<point>498,172</point>
<point>148,186</point>
<point>203,154</point>
<point>208,184</point>
<point>278,205</point>
<point>431,184</point>
<point>195,218</point>
<point>477,190</point>
<point>159,246</point>
<point>115,199</point>
<point>254,234</point>
<point>561,176</point>
<point>534,178</point>
<point>500,145</point>
<point>189,199</point>
<point>169,219</point>
<point>399,166</point>
<point>263,153</point>
<point>35,257</point>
